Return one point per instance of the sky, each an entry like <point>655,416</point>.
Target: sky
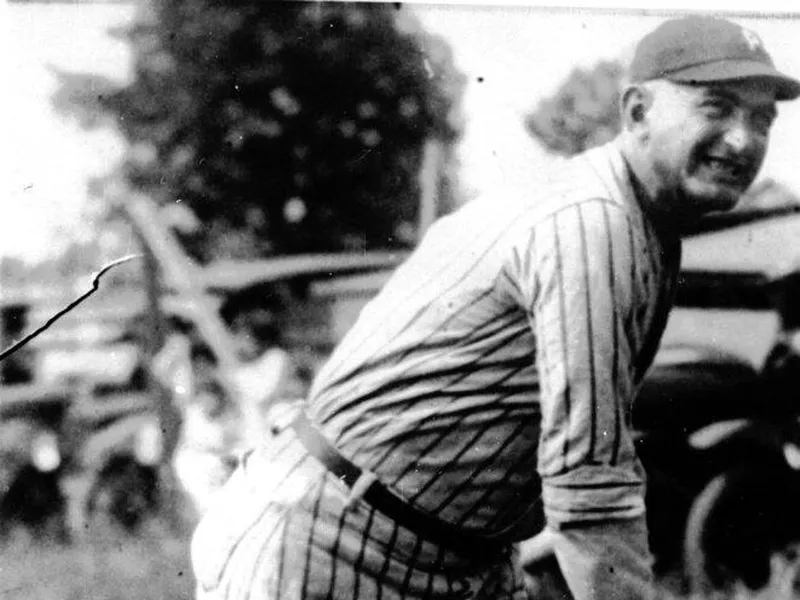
<point>521,52</point>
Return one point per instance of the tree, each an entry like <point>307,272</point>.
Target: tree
<point>583,113</point>
<point>285,126</point>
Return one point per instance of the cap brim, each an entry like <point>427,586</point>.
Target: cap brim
<point>786,88</point>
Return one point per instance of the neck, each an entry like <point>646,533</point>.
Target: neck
<point>662,205</point>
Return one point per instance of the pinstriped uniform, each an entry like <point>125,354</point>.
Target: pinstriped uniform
<point>498,366</point>
<point>280,530</point>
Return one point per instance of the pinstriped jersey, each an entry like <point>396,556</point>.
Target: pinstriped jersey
<point>498,364</point>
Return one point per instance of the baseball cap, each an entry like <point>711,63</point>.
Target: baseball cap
<point>703,49</point>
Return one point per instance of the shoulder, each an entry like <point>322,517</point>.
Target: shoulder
<point>591,191</point>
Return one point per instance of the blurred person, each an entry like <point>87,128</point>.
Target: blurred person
<point>267,373</point>
<point>499,364</point>
<point>210,434</point>
<point>210,430</point>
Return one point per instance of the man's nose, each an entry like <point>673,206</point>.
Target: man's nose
<point>740,135</point>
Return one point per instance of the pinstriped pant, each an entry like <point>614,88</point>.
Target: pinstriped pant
<point>280,530</point>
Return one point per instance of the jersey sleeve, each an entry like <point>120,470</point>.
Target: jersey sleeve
<point>579,273</point>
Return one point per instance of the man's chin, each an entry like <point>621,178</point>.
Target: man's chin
<point>714,199</point>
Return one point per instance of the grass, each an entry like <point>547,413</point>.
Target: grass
<point>106,565</point>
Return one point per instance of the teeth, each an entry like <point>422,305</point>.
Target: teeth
<point>723,165</point>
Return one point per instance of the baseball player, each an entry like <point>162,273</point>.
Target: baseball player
<point>487,389</point>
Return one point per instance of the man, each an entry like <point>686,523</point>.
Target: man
<point>499,364</point>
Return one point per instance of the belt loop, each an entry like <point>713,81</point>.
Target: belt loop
<point>362,484</point>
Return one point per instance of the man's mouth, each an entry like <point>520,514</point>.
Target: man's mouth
<point>729,170</point>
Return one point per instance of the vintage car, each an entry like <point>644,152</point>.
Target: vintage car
<point>31,459</point>
<point>731,353</point>
<point>77,417</point>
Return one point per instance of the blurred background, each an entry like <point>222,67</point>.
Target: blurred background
<point>269,163</point>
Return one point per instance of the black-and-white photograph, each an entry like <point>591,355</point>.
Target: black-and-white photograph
<point>399,300</point>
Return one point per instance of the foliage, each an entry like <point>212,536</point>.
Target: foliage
<point>284,126</point>
<point>583,113</point>
<point>81,96</point>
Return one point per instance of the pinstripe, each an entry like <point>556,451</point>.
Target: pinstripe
<point>465,447</point>
<point>407,299</point>
<point>615,337</point>
<point>335,550</point>
<point>281,564</point>
<point>397,357</point>
<point>253,548</point>
<point>358,564</point>
<point>599,485</point>
<point>452,428</point>
<point>589,337</point>
<point>488,329</point>
<point>542,350</point>
<point>399,382</point>
<point>233,548</point>
<point>508,280</point>
<point>446,398</point>
<point>502,512</point>
<point>460,373</point>
<point>488,460</point>
<point>599,509</point>
<point>260,536</point>
<point>429,590</point>
<point>449,430</point>
<point>427,286</point>
<point>387,559</point>
<point>564,338</point>
<point>310,543</point>
<point>411,564</point>
<point>633,277</point>
<point>264,558</point>
<point>433,280</point>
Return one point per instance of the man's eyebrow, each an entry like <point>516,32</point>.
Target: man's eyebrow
<point>718,92</point>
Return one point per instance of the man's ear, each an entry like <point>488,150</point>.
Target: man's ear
<point>635,106</point>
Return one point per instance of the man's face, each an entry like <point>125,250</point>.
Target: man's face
<point>707,142</point>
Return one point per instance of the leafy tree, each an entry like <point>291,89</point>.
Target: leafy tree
<point>583,113</point>
<point>284,126</point>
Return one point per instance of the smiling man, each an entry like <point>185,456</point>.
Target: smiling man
<point>493,376</point>
<point>698,115</point>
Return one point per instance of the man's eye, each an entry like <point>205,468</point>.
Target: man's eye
<point>762,121</point>
<point>717,108</point>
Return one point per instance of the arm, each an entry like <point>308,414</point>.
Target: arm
<point>582,283</point>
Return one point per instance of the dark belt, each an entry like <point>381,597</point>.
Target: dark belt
<point>393,506</point>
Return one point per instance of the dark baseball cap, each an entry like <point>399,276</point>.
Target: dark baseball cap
<point>701,49</point>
